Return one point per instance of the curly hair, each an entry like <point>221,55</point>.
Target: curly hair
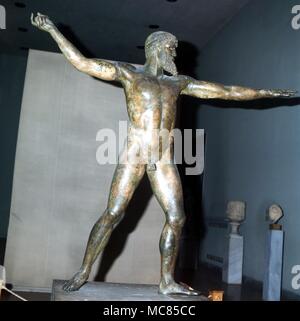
<point>156,38</point>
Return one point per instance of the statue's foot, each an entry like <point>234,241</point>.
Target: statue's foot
<point>177,289</point>
<point>76,282</point>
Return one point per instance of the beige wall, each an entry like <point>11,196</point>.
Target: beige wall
<point>59,190</point>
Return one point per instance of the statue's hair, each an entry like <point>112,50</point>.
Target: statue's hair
<point>157,38</point>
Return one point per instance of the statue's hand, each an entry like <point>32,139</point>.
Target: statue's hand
<point>280,93</point>
<point>42,22</point>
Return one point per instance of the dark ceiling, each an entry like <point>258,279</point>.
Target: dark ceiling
<point>115,29</point>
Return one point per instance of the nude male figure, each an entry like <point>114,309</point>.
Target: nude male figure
<point>151,97</point>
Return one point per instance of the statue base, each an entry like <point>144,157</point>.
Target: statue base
<point>105,291</point>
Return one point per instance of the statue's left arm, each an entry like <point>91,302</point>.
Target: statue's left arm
<point>209,90</point>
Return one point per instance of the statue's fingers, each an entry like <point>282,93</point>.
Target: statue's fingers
<point>37,21</point>
<point>45,18</point>
<point>288,93</point>
<point>31,18</point>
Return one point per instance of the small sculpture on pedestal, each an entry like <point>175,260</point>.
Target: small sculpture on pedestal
<point>274,255</point>
<point>233,262</point>
<point>274,214</point>
<point>236,215</point>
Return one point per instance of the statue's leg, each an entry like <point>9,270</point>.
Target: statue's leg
<point>125,181</point>
<point>166,185</point>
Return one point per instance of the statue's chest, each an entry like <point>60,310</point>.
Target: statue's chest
<point>153,91</point>
<point>146,89</point>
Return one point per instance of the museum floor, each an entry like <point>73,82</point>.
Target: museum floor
<point>205,279</point>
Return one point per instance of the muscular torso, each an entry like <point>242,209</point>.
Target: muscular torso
<point>151,100</point>
<point>151,104</point>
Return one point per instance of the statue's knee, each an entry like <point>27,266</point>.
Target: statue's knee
<point>176,220</point>
<point>113,216</point>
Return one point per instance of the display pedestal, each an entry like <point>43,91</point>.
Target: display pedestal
<point>233,261</point>
<point>104,291</point>
<point>273,268</point>
<point>233,264</point>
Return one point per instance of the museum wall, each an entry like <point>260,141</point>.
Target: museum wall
<point>254,155</point>
<point>12,74</point>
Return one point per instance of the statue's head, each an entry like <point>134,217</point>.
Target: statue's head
<point>162,45</point>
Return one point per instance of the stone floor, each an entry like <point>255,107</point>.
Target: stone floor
<point>206,278</point>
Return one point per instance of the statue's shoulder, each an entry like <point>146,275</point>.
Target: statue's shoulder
<point>184,78</point>
<point>126,66</point>
<point>181,80</point>
<point>126,70</point>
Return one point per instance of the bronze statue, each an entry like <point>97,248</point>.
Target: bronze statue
<point>151,97</point>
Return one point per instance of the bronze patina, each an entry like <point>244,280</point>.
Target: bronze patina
<point>151,97</point>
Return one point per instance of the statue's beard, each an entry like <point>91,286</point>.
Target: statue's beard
<point>168,64</point>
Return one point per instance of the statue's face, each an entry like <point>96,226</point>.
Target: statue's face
<point>166,54</point>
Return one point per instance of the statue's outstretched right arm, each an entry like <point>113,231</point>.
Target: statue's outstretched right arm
<point>101,69</point>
